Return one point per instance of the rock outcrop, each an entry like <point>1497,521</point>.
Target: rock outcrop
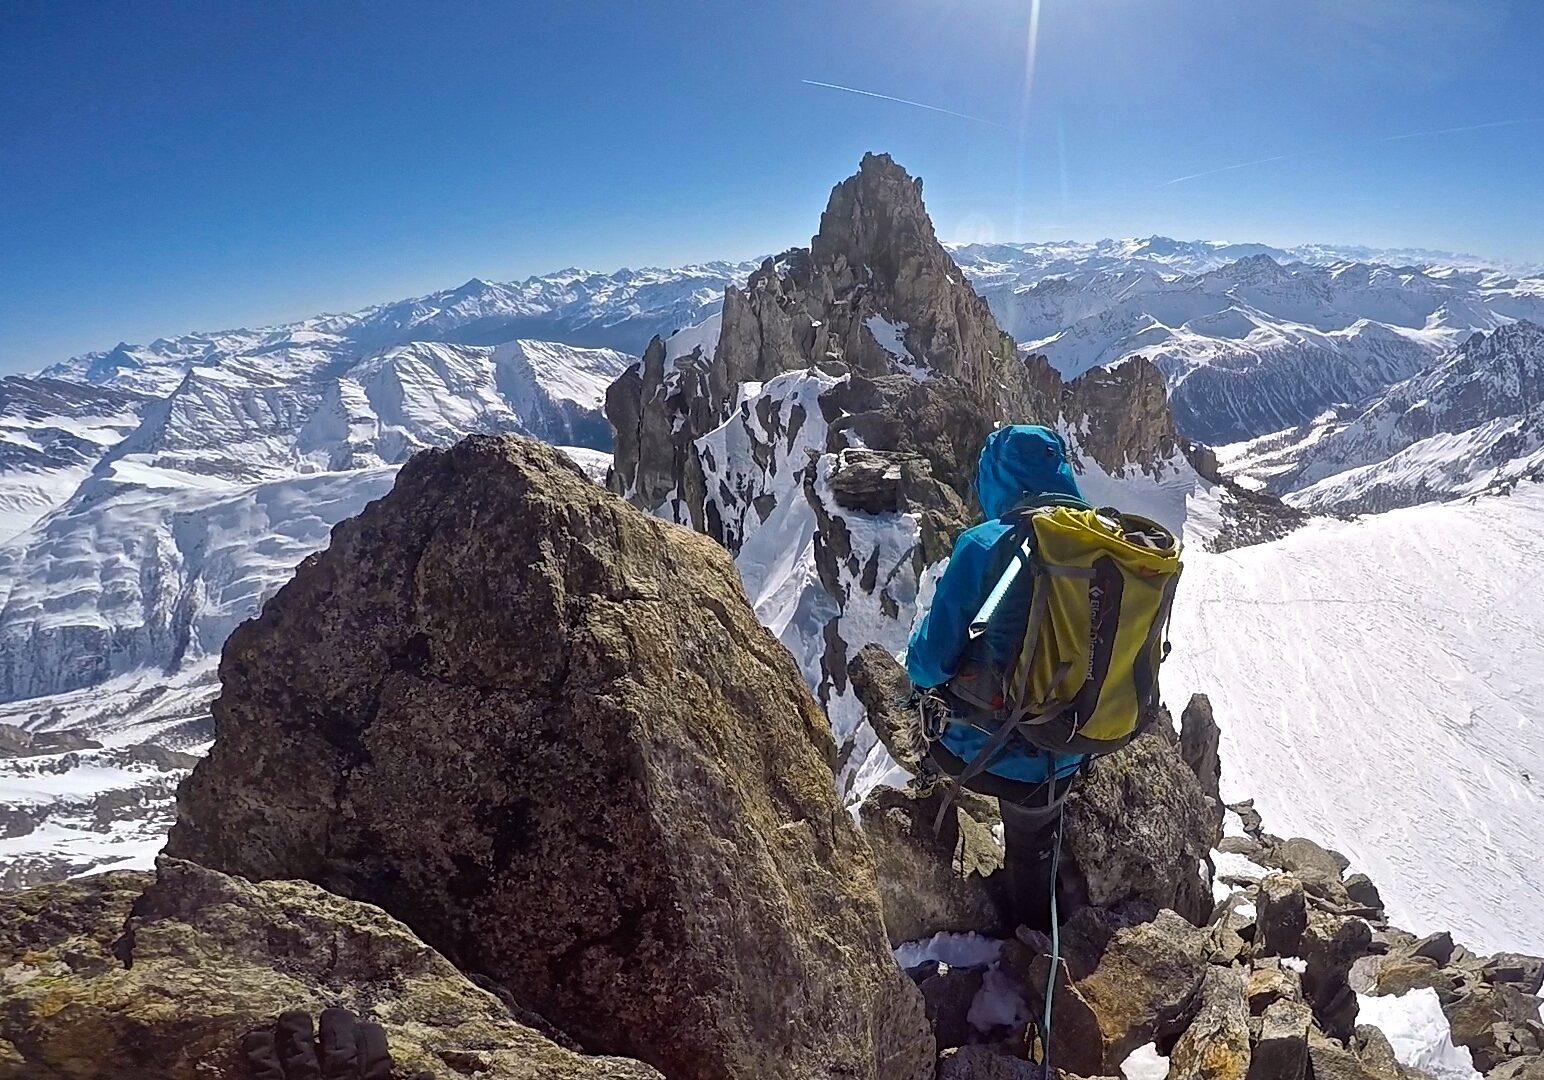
<point>125,976</point>
<point>1216,1044</point>
<point>1121,416</point>
<point>1131,974</point>
<point>546,731</point>
<point>1138,828</point>
<point>931,881</point>
<point>873,288</point>
<point>1200,741</point>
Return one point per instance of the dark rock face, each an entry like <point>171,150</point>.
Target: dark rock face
<point>1125,413</point>
<point>1362,891</point>
<point>1331,944</point>
<point>1138,828</point>
<point>547,732</point>
<point>1200,740</point>
<point>1438,947</point>
<point>1283,915</point>
<point>125,976</point>
<point>942,421</point>
<point>1281,1050</point>
<point>932,881</point>
<point>948,994</point>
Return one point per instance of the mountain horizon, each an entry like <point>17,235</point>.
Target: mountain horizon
<point>1176,255</point>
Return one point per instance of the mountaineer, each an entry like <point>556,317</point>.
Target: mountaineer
<point>1041,647</point>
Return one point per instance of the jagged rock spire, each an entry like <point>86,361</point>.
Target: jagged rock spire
<point>874,294</point>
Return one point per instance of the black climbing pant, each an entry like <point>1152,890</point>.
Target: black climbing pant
<point>1029,832</point>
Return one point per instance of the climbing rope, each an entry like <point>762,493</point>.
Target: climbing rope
<point>1050,982</point>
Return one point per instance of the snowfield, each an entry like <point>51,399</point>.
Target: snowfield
<point>1380,688</point>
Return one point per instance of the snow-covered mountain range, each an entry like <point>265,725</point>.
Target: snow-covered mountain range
<point>1254,346</point>
<point>151,497</point>
<point>1472,423</point>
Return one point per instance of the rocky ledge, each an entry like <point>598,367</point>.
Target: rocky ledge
<point>1290,971</point>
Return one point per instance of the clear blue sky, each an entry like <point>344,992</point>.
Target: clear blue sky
<point>169,167</point>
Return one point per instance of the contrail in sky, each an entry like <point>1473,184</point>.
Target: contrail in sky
<point>1240,165</point>
<point>902,101</point>
<point>1470,127</point>
<point>1330,149</point>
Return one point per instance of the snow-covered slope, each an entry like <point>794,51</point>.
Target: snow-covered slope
<point>51,435</point>
<point>1472,422</point>
<point>125,577</point>
<point>179,529</point>
<point>1380,688</point>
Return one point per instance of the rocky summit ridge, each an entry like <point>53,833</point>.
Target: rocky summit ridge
<point>552,787</point>
<point>825,428</point>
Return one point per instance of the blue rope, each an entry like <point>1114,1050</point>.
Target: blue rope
<point>1050,982</point>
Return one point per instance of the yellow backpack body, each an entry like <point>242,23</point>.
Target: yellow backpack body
<point>1085,677</point>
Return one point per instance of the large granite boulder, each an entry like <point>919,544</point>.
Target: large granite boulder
<point>546,731</point>
<point>125,976</point>
<point>1497,1024</point>
<point>1331,944</point>
<point>1281,1048</point>
<point>1524,972</point>
<point>1129,976</point>
<point>1216,1045</point>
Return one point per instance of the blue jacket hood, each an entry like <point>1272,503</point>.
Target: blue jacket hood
<point>1019,461</point>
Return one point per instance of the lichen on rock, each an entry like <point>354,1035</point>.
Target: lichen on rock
<point>129,976</point>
